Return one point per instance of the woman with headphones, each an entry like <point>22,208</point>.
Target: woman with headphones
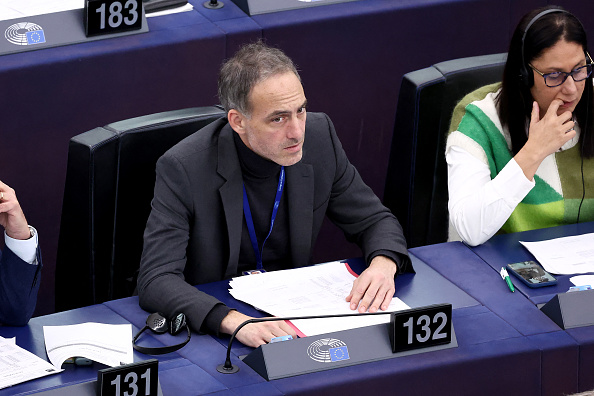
<point>520,154</point>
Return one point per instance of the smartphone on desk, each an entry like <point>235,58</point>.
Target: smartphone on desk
<point>532,274</point>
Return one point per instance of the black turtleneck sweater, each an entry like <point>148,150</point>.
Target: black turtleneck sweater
<point>260,178</point>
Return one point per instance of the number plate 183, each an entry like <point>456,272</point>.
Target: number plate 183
<point>112,16</point>
<point>421,327</point>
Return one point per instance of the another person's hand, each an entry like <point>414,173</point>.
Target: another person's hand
<point>12,217</point>
<point>374,288</point>
<point>255,334</point>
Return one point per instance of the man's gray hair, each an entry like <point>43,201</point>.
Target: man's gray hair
<point>252,64</point>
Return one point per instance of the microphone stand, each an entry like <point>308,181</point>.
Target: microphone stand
<point>230,368</point>
<point>213,4</point>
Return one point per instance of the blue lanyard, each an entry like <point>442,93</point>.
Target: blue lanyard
<point>250,223</point>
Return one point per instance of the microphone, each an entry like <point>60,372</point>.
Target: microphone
<point>230,368</point>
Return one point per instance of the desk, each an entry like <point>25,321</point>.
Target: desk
<point>504,249</point>
<point>492,356</point>
<point>568,355</point>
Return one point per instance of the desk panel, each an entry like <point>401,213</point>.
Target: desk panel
<point>30,337</point>
<point>426,287</point>
<point>559,353</point>
<point>483,368</point>
<point>456,262</point>
<point>503,249</point>
<point>585,338</point>
<point>238,27</point>
<point>203,350</point>
<point>492,357</point>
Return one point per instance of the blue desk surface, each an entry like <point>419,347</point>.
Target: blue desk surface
<point>476,271</point>
<point>492,356</point>
<point>504,249</point>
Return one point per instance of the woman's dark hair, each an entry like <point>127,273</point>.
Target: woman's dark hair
<point>515,99</point>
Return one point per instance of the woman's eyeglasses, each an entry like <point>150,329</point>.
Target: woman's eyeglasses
<point>557,78</point>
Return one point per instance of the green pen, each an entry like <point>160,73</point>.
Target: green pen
<point>505,277</point>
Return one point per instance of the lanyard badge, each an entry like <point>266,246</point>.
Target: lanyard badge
<point>250,223</point>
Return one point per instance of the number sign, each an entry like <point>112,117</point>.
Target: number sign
<point>136,379</point>
<point>112,16</point>
<point>420,328</point>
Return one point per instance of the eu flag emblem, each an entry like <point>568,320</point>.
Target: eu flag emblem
<point>338,354</point>
<point>35,37</point>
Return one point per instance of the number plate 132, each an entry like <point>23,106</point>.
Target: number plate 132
<point>421,327</point>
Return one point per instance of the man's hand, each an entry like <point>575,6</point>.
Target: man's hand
<point>374,288</point>
<point>12,217</point>
<point>255,334</point>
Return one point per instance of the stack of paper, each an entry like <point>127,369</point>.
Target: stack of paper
<point>10,9</point>
<point>100,342</point>
<point>19,365</point>
<point>315,290</point>
<point>565,256</point>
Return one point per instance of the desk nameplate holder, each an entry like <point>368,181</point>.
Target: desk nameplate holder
<point>82,389</point>
<point>569,310</point>
<point>255,7</point>
<point>50,30</point>
<point>307,355</point>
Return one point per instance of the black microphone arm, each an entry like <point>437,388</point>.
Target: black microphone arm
<point>230,368</point>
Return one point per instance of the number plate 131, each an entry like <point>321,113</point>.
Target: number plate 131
<point>135,379</point>
<point>112,16</point>
<point>421,327</point>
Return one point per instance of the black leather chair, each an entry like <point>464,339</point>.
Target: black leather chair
<point>109,186</point>
<point>416,182</point>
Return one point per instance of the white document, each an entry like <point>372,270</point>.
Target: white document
<point>582,280</point>
<point>11,9</point>
<point>103,343</point>
<point>308,291</point>
<point>565,256</point>
<point>184,8</point>
<point>19,365</point>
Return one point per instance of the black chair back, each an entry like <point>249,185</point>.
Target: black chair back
<point>109,187</point>
<point>416,183</point>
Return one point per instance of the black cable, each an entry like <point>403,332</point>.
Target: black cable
<point>583,138</point>
<point>583,187</point>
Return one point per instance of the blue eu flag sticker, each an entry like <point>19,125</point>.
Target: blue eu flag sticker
<point>338,354</point>
<point>35,37</point>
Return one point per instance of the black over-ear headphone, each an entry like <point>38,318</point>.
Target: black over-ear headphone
<point>526,76</point>
<point>158,324</point>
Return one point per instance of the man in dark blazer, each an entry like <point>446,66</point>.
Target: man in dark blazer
<point>250,191</point>
<point>20,262</point>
